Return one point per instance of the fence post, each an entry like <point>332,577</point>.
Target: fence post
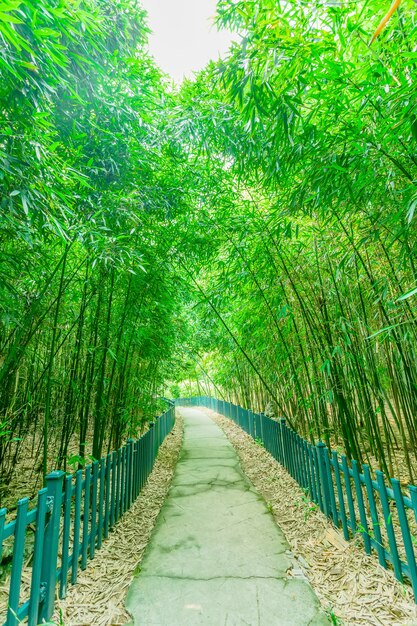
<point>261,423</point>
<point>324,478</point>
<point>151,449</point>
<point>283,425</point>
<point>130,447</point>
<point>54,482</point>
<point>251,430</point>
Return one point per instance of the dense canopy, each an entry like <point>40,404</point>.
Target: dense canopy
<point>250,234</point>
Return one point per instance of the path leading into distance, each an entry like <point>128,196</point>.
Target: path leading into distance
<point>216,557</point>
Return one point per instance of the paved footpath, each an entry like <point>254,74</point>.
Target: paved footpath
<point>216,556</point>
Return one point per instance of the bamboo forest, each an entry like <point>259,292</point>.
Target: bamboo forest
<point>242,240</point>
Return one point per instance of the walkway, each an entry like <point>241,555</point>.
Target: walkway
<point>216,558</point>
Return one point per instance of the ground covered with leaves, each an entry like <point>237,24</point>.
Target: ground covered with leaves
<point>98,597</point>
<point>352,587</point>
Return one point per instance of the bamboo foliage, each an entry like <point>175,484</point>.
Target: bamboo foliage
<point>87,308</point>
<point>314,269</point>
<point>252,232</point>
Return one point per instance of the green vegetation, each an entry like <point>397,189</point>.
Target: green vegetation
<point>88,299</point>
<point>314,276</point>
<point>251,234</point>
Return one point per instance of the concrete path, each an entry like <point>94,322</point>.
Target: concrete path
<point>216,557</point>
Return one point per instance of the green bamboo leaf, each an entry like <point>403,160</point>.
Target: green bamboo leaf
<point>407,295</point>
<point>6,17</point>
<point>411,210</point>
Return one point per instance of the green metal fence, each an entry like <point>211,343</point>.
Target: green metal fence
<point>72,517</point>
<point>358,501</point>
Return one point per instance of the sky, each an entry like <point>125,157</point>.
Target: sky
<point>184,36</point>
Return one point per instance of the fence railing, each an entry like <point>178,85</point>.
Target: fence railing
<point>72,517</point>
<point>355,499</point>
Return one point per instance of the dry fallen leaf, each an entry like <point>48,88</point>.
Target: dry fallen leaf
<point>346,580</point>
<point>98,597</point>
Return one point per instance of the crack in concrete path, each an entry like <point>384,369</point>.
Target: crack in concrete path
<point>193,578</point>
<point>216,555</point>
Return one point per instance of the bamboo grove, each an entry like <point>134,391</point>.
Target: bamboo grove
<point>87,314</point>
<point>313,289</point>
<point>250,233</point>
